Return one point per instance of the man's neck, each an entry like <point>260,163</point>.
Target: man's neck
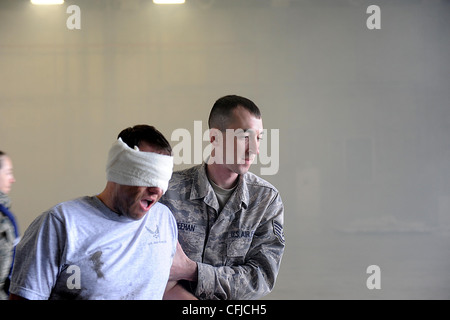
<point>106,195</point>
<point>222,176</point>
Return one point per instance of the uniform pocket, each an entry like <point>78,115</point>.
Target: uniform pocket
<point>237,250</point>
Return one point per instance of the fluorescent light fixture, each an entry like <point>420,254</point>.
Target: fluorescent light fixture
<point>168,1</point>
<point>47,2</point>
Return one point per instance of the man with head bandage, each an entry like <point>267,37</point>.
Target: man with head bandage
<point>119,244</point>
<point>132,167</point>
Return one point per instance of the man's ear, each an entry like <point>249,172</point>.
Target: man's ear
<point>215,136</point>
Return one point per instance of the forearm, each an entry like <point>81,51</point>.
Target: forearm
<point>175,291</point>
<point>183,268</point>
<point>243,282</point>
<point>251,279</point>
<point>190,272</point>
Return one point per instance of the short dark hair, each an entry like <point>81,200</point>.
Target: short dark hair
<point>1,160</point>
<point>222,110</point>
<point>133,136</point>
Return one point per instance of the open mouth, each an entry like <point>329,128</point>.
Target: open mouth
<point>146,204</point>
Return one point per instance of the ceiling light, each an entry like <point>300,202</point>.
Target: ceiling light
<point>47,2</point>
<point>168,1</point>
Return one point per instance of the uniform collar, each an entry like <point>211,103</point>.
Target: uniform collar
<point>5,200</point>
<point>201,188</point>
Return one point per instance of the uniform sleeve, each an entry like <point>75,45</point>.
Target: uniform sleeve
<point>6,253</point>
<point>37,260</point>
<point>255,277</point>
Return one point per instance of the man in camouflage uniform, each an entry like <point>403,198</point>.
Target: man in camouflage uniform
<point>230,221</point>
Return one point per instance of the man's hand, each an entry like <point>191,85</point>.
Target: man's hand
<point>183,268</point>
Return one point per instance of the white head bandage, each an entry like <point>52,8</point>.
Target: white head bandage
<point>132,167</point>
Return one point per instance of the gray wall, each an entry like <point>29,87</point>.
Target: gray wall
<point>364,119</point>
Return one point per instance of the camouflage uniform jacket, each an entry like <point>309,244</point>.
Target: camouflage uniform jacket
<point>239,251</point>
<point>7,238</point>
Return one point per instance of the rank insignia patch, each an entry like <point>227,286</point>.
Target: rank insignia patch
<point>278,231</point>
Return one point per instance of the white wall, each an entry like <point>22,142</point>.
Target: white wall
<point>364,119</point>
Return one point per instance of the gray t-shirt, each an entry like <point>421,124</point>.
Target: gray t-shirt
<point>80,249</point>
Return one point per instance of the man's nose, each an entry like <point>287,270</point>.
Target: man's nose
<point>154,190</point>
<point>253,145</point>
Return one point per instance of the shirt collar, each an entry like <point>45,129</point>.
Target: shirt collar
<point>201,188</point>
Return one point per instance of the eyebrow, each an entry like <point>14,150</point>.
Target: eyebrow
<point>251,130</point>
